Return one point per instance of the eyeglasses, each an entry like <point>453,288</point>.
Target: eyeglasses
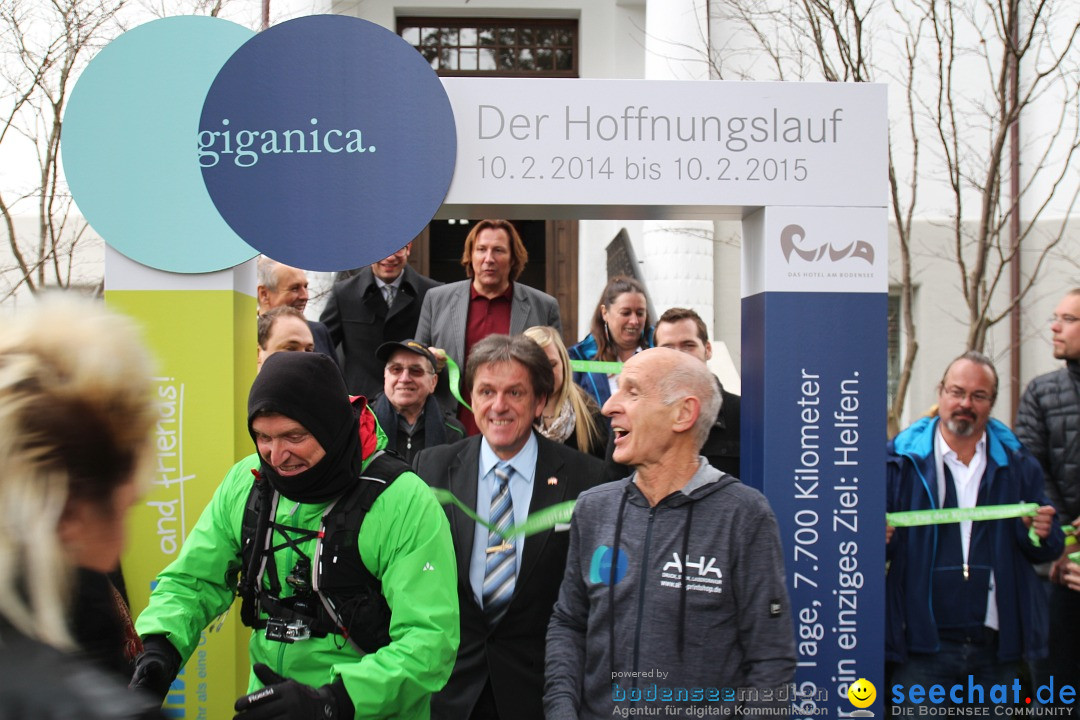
<point>958,394</point>
<point>1063,319</point>
<point>415,371</point>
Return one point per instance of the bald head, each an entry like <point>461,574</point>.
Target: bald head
<point>665,399</point>
<point>682,375</point>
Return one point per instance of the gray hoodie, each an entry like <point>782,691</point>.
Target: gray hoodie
<point>697,611</point>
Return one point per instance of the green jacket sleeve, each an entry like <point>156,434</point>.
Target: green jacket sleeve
<point>405,542</point>
<point>199,584</point>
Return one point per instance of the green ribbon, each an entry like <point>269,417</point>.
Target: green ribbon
<point>539,521</point>
<point>453,377</point>
<point>608,368</point>
<point>942,516</point>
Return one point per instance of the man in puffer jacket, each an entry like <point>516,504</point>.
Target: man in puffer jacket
<point>1048,423</point>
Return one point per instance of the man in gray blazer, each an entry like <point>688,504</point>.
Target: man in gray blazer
<point>456,316</point>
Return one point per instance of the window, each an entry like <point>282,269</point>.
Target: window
<point>497,47</point>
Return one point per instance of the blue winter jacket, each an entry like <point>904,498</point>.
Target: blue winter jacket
<point>1012,476</point>
<point>595,384</point>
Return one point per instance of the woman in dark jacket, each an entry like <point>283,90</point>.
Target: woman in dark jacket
<point>76,415</point>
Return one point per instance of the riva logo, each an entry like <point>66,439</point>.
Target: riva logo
<point>793,234</point>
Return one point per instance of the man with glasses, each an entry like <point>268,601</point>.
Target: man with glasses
<point>963,598</point>
<point>407,410</point>
<point>1048,423</point>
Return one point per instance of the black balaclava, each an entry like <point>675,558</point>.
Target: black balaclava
<point>308,388</point>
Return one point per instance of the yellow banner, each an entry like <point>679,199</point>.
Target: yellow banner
<point>204,341</point>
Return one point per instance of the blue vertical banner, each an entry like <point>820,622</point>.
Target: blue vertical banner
<point>814,318</point>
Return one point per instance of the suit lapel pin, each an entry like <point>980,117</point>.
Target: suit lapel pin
<point>553,481</point>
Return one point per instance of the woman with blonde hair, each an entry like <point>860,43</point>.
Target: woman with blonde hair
<point>570,416</point>
<point>76,414</point>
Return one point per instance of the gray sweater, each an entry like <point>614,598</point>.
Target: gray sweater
<point>675,638</point>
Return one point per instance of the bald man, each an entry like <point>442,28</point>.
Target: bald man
<point>668,564</point>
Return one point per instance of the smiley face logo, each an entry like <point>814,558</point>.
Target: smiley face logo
<point>862,693</point>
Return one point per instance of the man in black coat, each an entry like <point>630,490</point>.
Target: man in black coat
<point>507,584</point>
<point>360,319</point>
<point>1048,424</point>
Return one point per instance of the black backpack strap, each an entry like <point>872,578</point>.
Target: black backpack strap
<point>253,537</point>
<point>350,593</point>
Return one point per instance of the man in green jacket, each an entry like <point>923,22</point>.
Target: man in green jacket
<point>331,638</point>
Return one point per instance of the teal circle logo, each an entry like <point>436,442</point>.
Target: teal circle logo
<point>600,567</point>
<point>326,142</point>
<point>128,145</point>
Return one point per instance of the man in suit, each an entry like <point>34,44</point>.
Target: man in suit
<point>279,285</point>
<point>379,304</point>
<point>456,316</point>
<point>507,585</point>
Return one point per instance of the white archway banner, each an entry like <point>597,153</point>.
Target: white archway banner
<point>640,148</point>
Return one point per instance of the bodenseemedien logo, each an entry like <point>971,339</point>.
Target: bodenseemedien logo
<point>1053,699</point>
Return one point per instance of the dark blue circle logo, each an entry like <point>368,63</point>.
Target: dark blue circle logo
<point>327,142</point>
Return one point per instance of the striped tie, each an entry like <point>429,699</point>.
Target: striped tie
<point>501,564</point>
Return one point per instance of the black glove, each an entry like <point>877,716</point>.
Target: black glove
<point>156,667</point>
<point>284,699</point>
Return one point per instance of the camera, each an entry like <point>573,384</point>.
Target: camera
<point>287,632</point>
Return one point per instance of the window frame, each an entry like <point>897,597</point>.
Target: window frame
<point>568,25</point>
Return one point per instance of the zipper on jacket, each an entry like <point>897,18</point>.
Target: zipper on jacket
<point>641,589</point>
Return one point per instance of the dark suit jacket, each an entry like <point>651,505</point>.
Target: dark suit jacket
<point>323,343</point>
<point>359,321</point>
<point>510,653</point>
<point>445,314</point>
